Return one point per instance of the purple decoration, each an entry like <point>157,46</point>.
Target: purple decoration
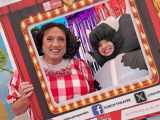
<point>79,22</point>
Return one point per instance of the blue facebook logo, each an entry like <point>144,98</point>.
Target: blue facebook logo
<point>97,109</point>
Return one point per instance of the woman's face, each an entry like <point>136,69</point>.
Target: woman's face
<point>54,45</point>
<point>106,48</point>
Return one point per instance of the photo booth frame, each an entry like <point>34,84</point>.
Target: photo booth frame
<point>95,98</point>
<point>8,54</point>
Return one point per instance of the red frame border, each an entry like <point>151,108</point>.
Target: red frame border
<point>4,11</point>
<point>19,61</point>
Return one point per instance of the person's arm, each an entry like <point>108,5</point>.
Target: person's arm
<point>23,102</point>
<point>19,93</point>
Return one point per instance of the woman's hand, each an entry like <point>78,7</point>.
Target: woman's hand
<point>26,89</point>
<point>21,105</point>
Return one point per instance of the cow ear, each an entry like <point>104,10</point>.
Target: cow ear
<point>128,34</point>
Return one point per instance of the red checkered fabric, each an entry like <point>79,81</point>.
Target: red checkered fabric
<point>71,82</point>
<point>68,83</point>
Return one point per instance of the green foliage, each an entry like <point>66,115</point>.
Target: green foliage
<point>3,59</point>
<point>3,62</point>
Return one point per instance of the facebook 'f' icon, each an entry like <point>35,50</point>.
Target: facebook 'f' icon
<point>97,109</point>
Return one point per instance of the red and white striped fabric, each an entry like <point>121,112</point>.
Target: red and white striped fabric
<point>13,87</point>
